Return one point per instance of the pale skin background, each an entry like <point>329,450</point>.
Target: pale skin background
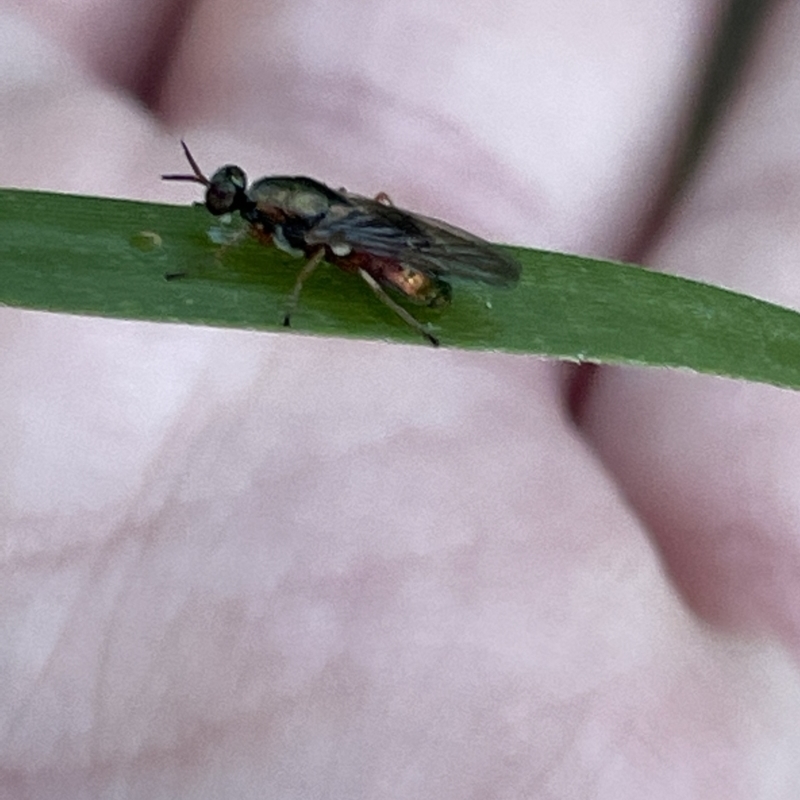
<point>250,565</point>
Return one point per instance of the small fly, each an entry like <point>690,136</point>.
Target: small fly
<point>388,247</point>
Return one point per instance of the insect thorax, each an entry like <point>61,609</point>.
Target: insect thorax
<point>293,196</point>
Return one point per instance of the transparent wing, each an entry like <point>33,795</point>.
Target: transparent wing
<point>428,245</point>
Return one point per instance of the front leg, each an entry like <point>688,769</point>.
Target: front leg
<point>218,253</point>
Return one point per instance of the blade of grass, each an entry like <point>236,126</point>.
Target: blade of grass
<point>88,255</point>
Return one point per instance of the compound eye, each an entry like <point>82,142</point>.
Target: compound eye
<point>225,191</point>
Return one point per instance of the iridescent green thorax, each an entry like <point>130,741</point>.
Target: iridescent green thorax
<point>294,196</point>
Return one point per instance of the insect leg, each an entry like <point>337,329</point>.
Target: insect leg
<point>309,267</point>
<point>218,254</point>
<point>399,310</point>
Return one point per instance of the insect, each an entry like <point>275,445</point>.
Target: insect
<point>387,247</point>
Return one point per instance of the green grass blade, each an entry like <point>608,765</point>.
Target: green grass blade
<point>87,255</point>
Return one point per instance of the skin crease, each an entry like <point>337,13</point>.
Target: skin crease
<point>255,565</point>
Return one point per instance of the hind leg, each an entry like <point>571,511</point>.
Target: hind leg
<point>399,310</point>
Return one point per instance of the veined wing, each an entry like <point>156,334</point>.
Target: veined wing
<point>428,245</point>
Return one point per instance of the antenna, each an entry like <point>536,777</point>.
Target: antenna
<point>197,177</point>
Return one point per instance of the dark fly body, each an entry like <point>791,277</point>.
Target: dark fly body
<point>386,246</point>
